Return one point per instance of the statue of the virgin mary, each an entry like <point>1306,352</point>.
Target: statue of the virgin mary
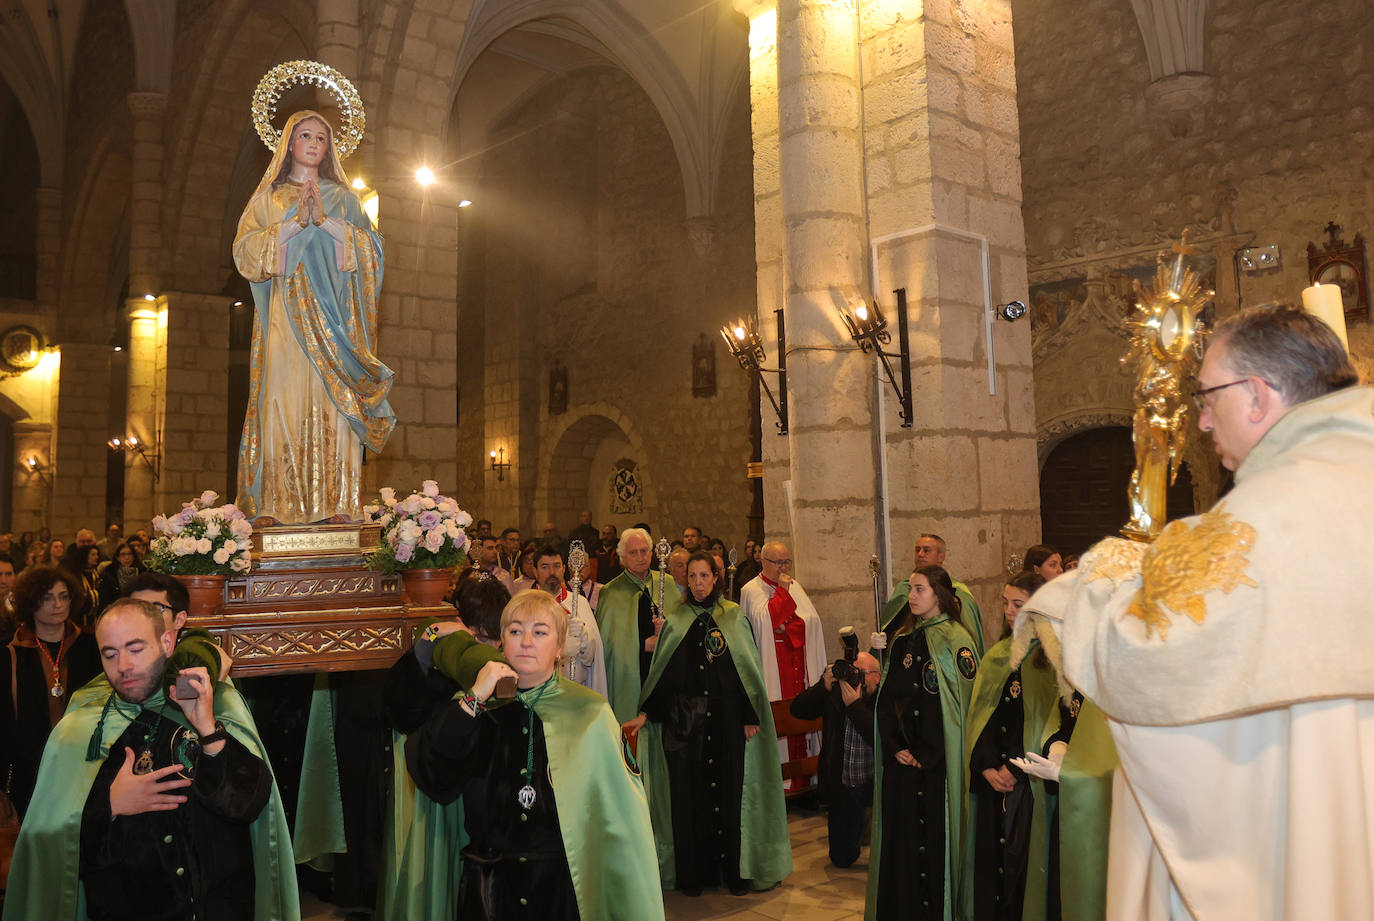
<point>318,392</point>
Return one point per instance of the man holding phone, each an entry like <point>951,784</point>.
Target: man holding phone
<point>168,595</point>
<point>160,803</point>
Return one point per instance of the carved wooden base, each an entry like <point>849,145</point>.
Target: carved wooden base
<point>311,604</point>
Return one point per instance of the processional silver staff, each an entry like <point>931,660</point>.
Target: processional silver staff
<point>662,549</point>
<point>577,559</point>
<point>734,558</point>
<point>878,640</point>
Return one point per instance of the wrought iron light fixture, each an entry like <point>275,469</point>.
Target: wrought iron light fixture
<point>499,463</point>
<point>868,328</point>
<point>744,343</point>
<point>132,446</point>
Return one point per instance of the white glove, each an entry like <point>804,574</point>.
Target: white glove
<point>877,640</point>
<point>1044,768</point>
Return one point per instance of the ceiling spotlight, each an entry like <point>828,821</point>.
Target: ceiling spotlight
<point>465,203</point>
<point>149,297</point>
<point>425,176</point>
<point>358,183</point>
<point>1011,311</point>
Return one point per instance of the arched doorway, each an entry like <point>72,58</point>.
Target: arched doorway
<point>595,465</point>
<point>1083,489</point>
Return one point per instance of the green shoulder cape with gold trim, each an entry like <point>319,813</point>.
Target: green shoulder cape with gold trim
<point>765,848</point>
<point>944,638</point>
<point>44,878</point>
<point>1040,720</point>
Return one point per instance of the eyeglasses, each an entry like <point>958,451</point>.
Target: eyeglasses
<point>778,562</point>
<point>163,607</point>
<point>1200,396</point>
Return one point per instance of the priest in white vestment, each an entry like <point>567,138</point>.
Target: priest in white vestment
<point>789,635</point>
<point>1234,656</point>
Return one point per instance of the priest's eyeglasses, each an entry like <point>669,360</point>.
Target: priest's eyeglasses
<point>1200,396</point>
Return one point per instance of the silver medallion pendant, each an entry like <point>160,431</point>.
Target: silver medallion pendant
<point>525,796</point>
<point>56,690</point>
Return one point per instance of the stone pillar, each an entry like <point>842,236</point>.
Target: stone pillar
<point>336,35</point>
<point>78,469</point>
<point>147,388</point>
<point>834,510</point>
<point>944,180</point>
<point>145,218</point>
<point>885,144</point>
<point>49,244</point>
<point>195,407</point>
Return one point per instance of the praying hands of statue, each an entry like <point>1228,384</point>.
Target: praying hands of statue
<point>133,794</point>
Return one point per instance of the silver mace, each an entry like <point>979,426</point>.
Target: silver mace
<point>734,558</point>
<point>662,549</point>
<point>577,558</point>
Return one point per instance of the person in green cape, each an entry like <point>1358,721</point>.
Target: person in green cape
<point>930,551</point>
<point>1011,707</point>
<point>629,617</point>
<point>921,777</point>
<point>709,749</point>
<point>152,801</point>
<point>557,820</point>
<point>422,839</point>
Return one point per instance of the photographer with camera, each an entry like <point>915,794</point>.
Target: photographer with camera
<point>843,699</point>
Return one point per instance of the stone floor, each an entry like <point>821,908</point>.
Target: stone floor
<point>815,891</point>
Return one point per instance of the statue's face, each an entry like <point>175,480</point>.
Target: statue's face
<point>310,142</point>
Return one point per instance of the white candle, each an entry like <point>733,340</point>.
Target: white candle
<point>1324,302</point>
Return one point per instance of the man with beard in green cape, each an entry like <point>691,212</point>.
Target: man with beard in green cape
<point>709,750</point>
<point>114,832</point>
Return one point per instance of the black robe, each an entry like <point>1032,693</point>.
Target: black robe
<point>912,798</point>
<point>195,861</point>
<point>703,708</point>
<point>514,866</point>
<point>1002,822</point>
<point>22,738</point>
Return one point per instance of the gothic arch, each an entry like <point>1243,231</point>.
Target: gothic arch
<point>1049,435</point>
<point>623,40</point>
<point>566,454</point>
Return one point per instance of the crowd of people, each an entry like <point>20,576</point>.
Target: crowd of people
<point>605,734</point>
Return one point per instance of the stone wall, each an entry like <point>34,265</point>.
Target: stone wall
<point>587,262</point>
<point>1279,149</point>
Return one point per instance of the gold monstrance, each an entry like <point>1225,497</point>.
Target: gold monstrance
<point>1166,348</point>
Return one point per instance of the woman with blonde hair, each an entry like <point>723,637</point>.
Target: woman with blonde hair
<point>556,816</point>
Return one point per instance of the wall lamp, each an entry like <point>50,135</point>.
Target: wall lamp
<point>35,467</point>
<point>132,446</point>
<point>746,346</point>
<point>868,328</point>
<point>499,463</point>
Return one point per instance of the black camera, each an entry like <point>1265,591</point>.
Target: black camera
<point>844,669</point>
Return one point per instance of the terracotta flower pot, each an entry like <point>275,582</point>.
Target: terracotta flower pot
<point>425,588</point>
<point>207,594</point>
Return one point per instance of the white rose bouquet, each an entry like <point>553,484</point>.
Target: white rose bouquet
<point>202,539</point>
<point>422,531</point>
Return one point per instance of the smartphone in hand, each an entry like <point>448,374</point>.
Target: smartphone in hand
<point>185,689</point>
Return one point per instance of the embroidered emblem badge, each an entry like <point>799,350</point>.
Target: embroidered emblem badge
<point>929,679</point>
<point>968,663</point>
<point>1015,689</point>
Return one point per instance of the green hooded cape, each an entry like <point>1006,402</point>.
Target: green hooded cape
<point>944,638</point>
<point>1040,710</point>
<point>765,848</point>
<point>617,615</point>
<point>969,616</point>
<point>421,859</point>
<point>44,881</point>
<point>1085,814</point>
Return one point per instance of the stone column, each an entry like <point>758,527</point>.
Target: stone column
<point>832,471</point>
<point>145,219</point>
<point>195,407</point>
<point>147,389</point>
<point>78,469</point>
<point>49,244</point>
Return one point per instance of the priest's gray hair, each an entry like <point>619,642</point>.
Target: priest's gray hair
<point>1287,348</point>
<point>625,536</point>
